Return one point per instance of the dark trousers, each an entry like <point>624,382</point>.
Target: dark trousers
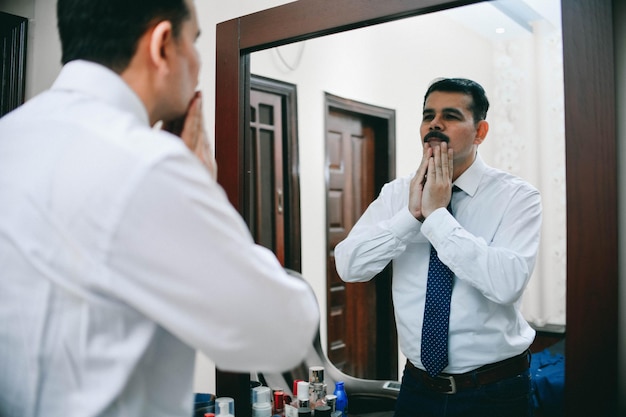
<point>509,397</point>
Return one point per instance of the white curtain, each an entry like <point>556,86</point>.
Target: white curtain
<point>527,138</point>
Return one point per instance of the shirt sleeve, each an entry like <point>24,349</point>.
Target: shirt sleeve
<point>183,257</point>
<point>379,236</point>
<point>501,268</point>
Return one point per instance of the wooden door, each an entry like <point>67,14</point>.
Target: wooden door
<point>267,220</point>
<point>13,38</point>
<point>272,184</point>
<point>356,313</point>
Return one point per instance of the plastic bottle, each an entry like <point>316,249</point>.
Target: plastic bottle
<point>291,406</point>
<point>229,410</point>
<point>224,409</point>
<point>303,395</point>
<point>261,394</point>
<point>322,411</point>
<point>305,412</point>
<point>330,400</point>
<point>341,404</point>
<point>261,410</point>
<point>317,386</point>
<point>278,405</point>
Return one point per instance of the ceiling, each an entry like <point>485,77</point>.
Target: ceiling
<point>507,19</point>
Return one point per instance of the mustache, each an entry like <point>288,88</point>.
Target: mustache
<point>437,135</point>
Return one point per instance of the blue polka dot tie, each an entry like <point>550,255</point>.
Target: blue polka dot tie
<point>436,315</point>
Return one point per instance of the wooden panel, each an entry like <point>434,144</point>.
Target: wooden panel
<point>337,294</point>
<point>336,327</point>
<point>13,39</point>
<point>365,169</point>
<point>338,354</point>
<point>591,167</point>
<point>307,17</point>
<point>267,219</point>
<point>290,161</point>
<point>228,133</point>
<point>229,156</point>
<point>337,331</point>
<point>335,217</point>
<point>333,146</point>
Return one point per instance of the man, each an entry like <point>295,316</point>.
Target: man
<point>120,255</point>
<point>489,243</point>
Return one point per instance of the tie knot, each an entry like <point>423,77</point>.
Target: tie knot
<point>454,190</point>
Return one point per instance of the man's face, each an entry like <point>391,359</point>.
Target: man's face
<point>186,65</point>
<point>447,116</point>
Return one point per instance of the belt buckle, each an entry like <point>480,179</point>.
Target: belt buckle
<point>450,379</point>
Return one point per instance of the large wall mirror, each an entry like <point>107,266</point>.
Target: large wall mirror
<point>514,49</point>
<point>590,165</point>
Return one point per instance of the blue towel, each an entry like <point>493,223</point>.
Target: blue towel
<point>547,371</point>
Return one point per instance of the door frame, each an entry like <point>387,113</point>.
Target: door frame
<point>291,165</point>
<point>385,144</point>
<point>13,38</point>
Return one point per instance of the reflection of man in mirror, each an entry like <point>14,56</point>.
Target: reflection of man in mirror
<point>120,255</point>
<point>463,239</point>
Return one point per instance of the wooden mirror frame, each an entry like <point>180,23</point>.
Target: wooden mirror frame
<point>591,163</point>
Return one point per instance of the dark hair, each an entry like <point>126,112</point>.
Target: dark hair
<point>108,31</point>
<point>480,104</point>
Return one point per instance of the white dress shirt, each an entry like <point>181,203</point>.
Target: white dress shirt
<point>490,244</point>
<point>119,257</point>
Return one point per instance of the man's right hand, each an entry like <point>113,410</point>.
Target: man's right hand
<point>437,189</point>
<point>193,133</point>
<point>416,188</point>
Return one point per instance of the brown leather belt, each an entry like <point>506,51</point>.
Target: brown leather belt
<point>487,374</point>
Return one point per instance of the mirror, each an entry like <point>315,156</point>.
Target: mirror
<point>519,64</point>
<point>590,159</point>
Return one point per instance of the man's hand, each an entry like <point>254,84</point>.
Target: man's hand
<point>191,129</point>
<point>417,185</point>
<point>438,187</point>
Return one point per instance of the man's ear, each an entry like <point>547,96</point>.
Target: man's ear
<point>481,132</point>
<point>161,42</point>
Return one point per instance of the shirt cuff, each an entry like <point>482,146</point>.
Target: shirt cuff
<point>404,224</point>
<point>438,226</point>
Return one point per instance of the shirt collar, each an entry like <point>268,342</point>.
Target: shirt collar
<point>100,82</point>
<point>470,179</point>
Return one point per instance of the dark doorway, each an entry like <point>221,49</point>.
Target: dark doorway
<point>360,159</point>
<point>273,211</point>
<point>13,36</point>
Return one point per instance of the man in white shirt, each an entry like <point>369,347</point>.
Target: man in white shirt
<point>120,255</point>
<point>489,242</point>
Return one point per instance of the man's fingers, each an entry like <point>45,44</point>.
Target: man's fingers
<point>431,170</point>
<point>190,132</point>
<point>427,152</point>
<point>437,163</point>
<point>445,169</point>
<point>423,168</point>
